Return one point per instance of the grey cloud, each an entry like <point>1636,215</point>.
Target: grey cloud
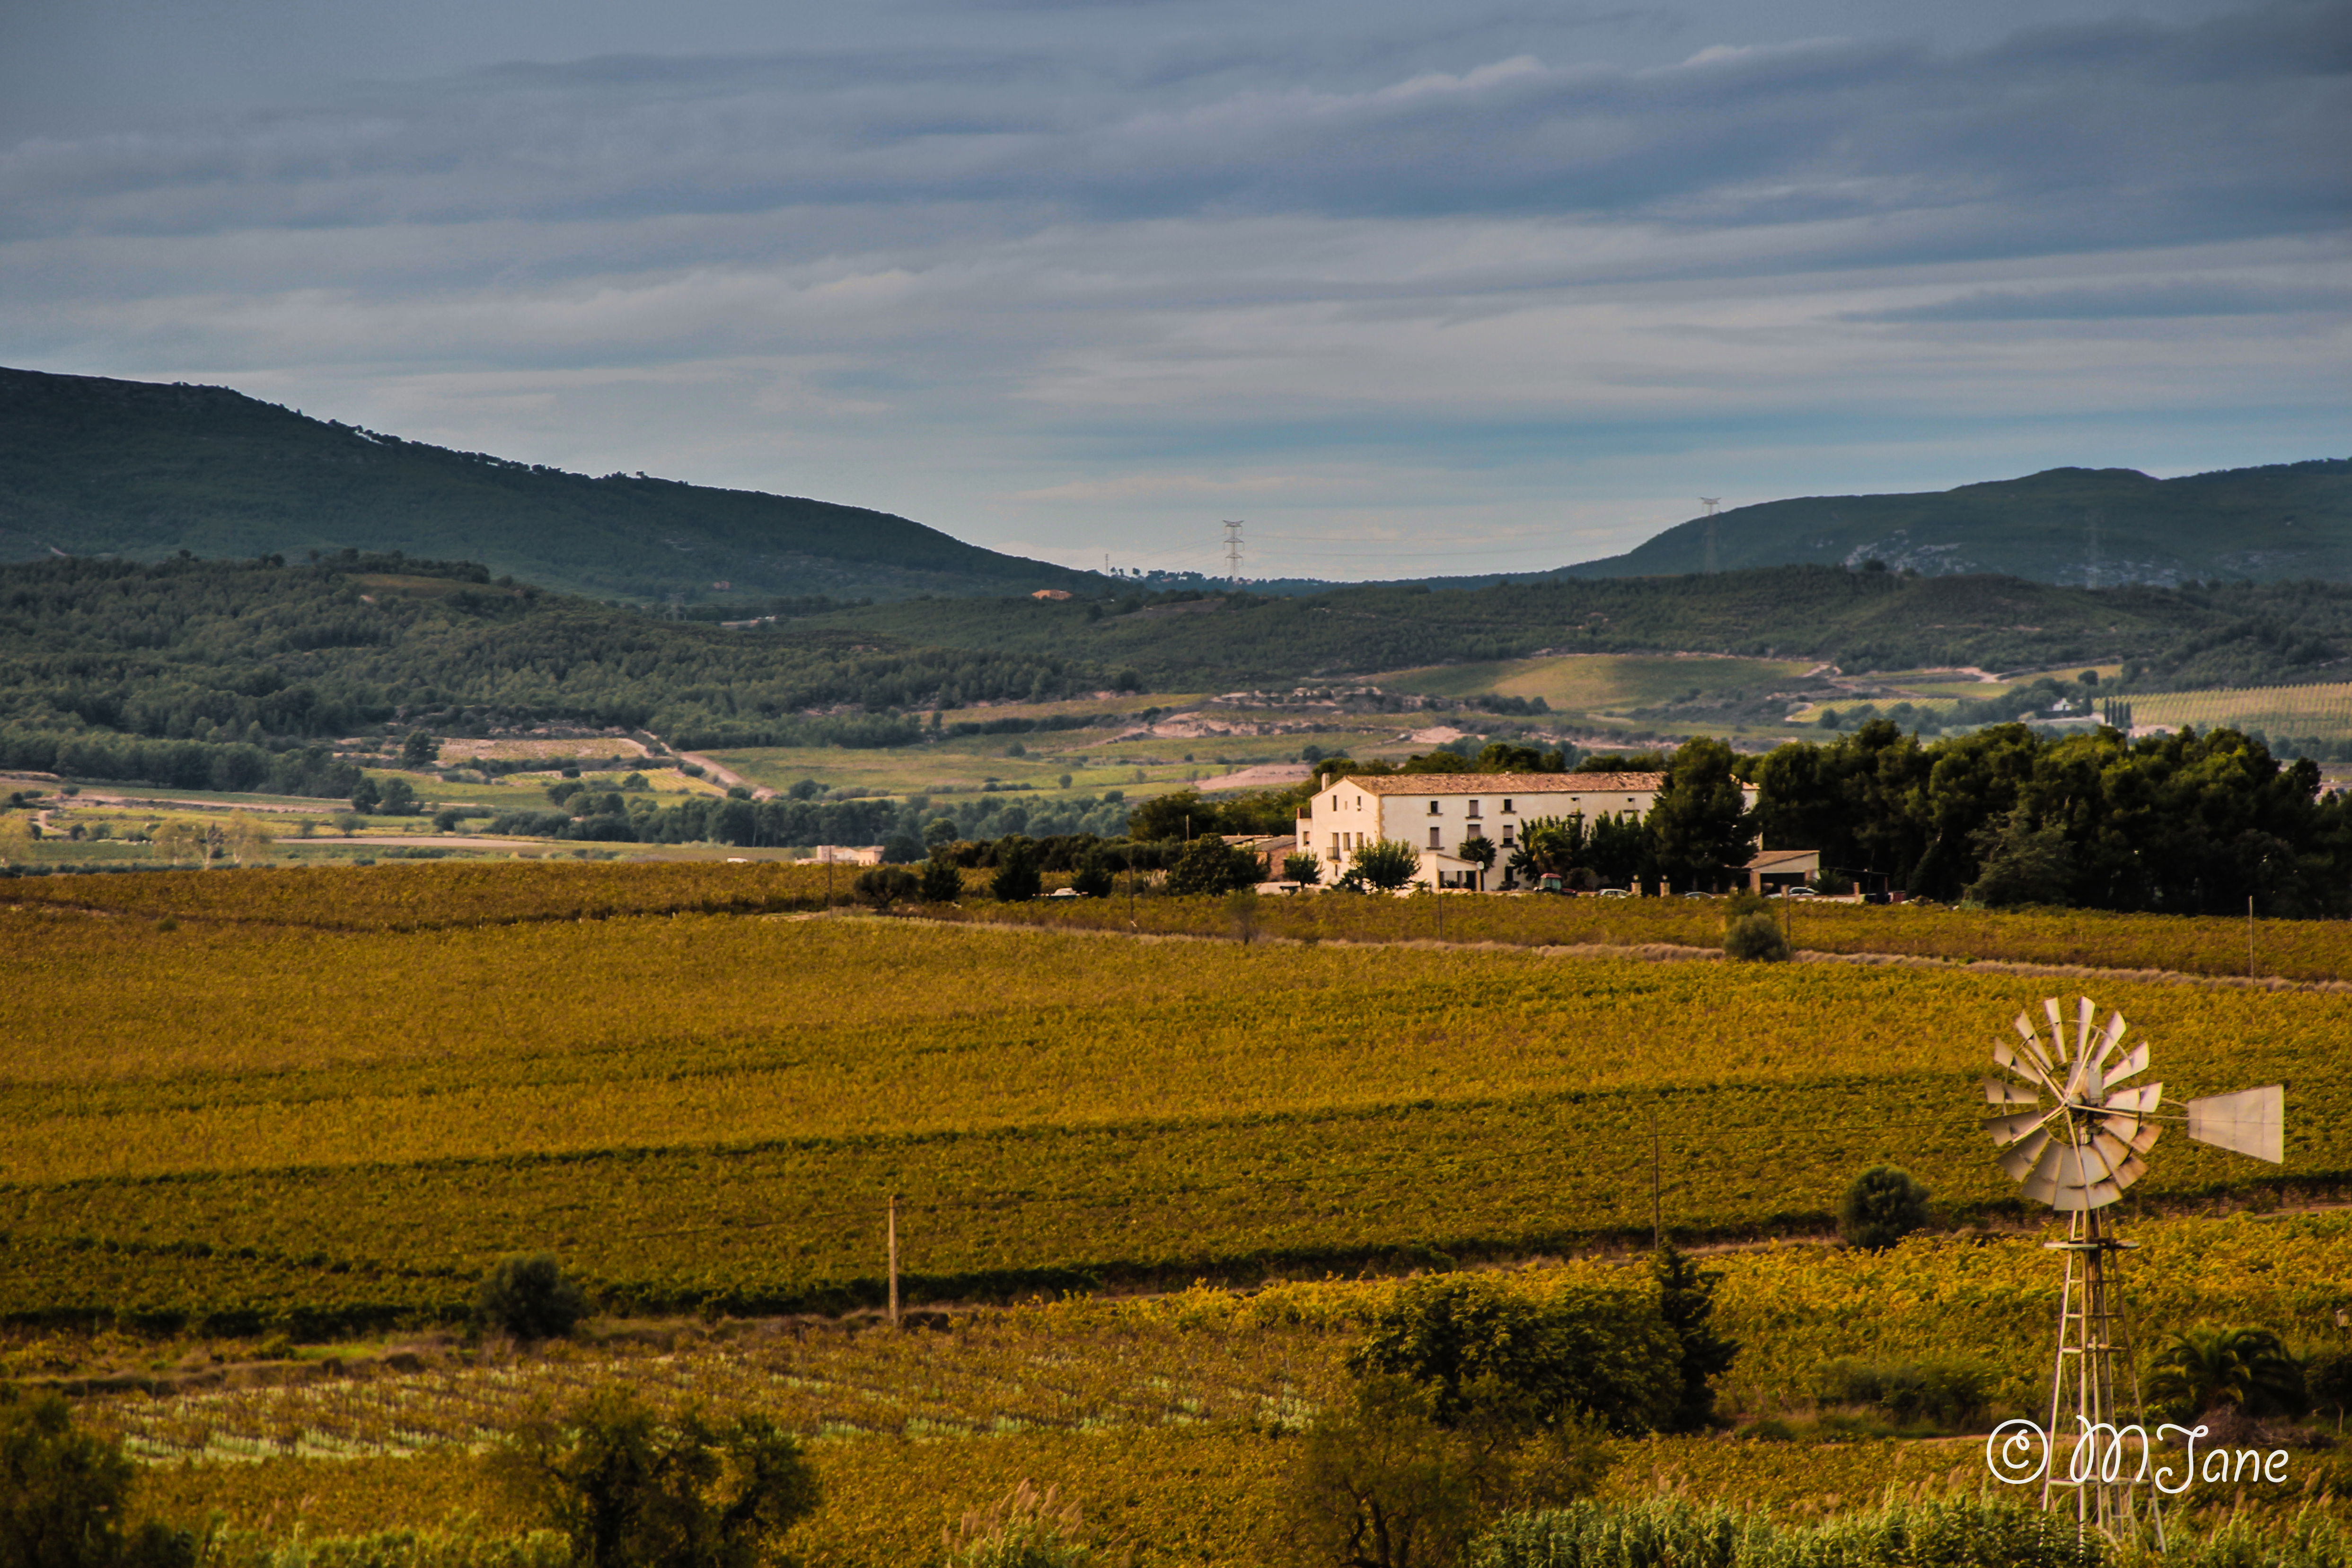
<point>2119,302</point>
<point>2123,132</point>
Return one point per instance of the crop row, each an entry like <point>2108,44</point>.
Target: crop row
<point>1102,1397</point>
<point>468,893</point>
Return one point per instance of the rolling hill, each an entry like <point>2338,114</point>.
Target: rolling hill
<point>140,470</point>
<point>2083,527</point>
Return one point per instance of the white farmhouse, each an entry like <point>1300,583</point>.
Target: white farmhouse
<point>1436,812</point>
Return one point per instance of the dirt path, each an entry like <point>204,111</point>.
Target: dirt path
<point>726,776</point>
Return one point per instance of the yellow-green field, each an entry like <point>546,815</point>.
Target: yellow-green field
<point>2323,711</point>
<point>1596,683</point>
<point>261,1132</point>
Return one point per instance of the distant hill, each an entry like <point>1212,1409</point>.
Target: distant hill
<point>95,467</point>
<point>2084,527</point>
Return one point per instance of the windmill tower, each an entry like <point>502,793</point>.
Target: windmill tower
<point>2077,1138</point>
<point>1710,503</point>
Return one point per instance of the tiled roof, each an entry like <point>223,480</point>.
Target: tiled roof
<point>1508,784</point>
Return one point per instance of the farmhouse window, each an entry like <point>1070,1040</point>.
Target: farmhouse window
<point>1433,844</point>
<point>1474,811</point>
<point>1507,808</point>
<point>1506,835</point>
<point>1432,809</point>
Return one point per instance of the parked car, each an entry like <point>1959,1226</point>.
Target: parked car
<point>1615,893</point>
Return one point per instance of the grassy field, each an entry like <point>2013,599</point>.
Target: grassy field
<point>1595,683</point>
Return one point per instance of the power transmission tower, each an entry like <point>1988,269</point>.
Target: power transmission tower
<point>1233,554</point>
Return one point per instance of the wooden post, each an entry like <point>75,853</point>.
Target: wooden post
<point>2250,936</point>
<point>893,1260</point>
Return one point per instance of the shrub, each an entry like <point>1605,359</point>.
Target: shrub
<point>1305,869</point>
<point>631,1489</point>
<point>1882,1207</point>
<point>1755,939</point>
<point>2210,1369</point>
<point>1951,1394</point>
<point>1686,1302</point>
<point>882,885</point>
<point>528,1296</point>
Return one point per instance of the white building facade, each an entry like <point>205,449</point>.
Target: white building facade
<point>1436,813</point>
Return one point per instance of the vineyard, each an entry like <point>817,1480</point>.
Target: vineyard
<point>1163,1413</point>
<point>2322,712</point>
<point>261,1133</point>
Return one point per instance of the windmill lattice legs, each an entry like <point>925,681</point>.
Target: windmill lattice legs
<point>2092,1400</point>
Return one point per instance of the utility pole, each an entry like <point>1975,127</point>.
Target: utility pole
<point>893,1260</point>
<point>1233,554</point>
<point>2250,936</point>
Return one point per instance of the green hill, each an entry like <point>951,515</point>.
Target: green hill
<point>2089,527</point>
<point>95,467</point>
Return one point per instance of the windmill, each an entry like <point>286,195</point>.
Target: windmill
<point>2077,1138</point>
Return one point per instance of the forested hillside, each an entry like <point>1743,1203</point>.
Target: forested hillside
<point>2226,634</point>
<point>258,657</point>
<point>94,467</point>
<point>2091,527</point>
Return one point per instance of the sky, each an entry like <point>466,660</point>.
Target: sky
<point>1407,288</point>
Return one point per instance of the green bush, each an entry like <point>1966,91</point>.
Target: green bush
<point>1305,869</point>
<point>528,1296</point>
<point>1882,1207</point>
<point>1386,863</point>
<point>2210,1369</point>
<point>1949,1395</point>
<point>1755,939</point>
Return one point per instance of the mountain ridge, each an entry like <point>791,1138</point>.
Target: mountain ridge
<point>95,466</point>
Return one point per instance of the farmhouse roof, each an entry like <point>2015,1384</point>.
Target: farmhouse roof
<point>1507,783</point>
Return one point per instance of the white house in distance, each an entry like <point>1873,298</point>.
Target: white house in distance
<point>1436,812</point>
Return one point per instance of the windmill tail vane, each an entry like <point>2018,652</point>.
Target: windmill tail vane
<point>2075,1131</point>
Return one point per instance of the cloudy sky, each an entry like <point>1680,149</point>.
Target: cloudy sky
<point>1409,288</point>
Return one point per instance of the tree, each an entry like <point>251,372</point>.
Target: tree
<point>2213,1369</point>
<point>419,750</point>
<point>1180,814</point>
<point>1883,1205</point>
<point>1700,823</point>
<point>1488,1353</point>
<point>1380,1481</point>
<point>1305,869</point>
<point>941,882</point>
<point>1387,863</point>
<point>2023,864</point>
<point>1686,1301</point>
<point>395,797</point>
<point>1479,850</point>
<point>529,1296</point>
<point>1017,877</point>
<point>248,837</point>
<point>364,795</point>
<point>1093,877</point>
<point>64,1495</point>
<point>631,1489</point>
<point>882,885</point>
<point>1212,866</point>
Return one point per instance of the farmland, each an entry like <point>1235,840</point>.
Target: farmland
<point>2322,712</point>
<point>263,1131</point>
